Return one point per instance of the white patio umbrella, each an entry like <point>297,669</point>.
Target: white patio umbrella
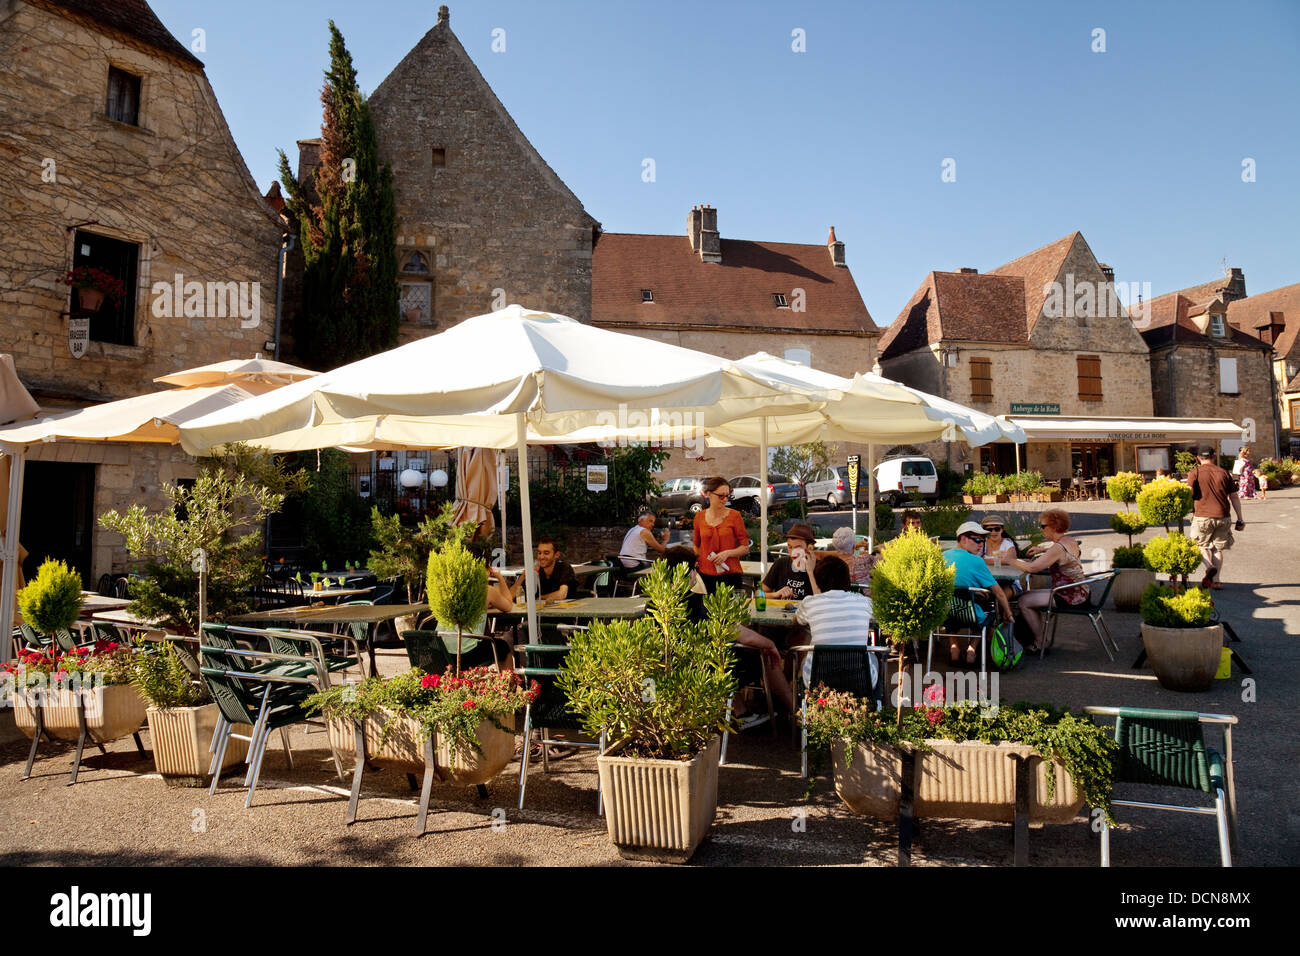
<point>503,380</point>
<point>16,403</point>
<point>237,371</point>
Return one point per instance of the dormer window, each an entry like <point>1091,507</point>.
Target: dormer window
<point>778,299</point>
<point>1218,328</point>
<point>123,102</point>
<point>647,295</point>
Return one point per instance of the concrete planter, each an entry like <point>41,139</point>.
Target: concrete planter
<point>113,711</point>
<point>1184,658</point>
<point>1128,587</point>
<point>463,765</point>
<point>967,781</point>
<point>403,747</point>
<point>180,737</point>
<point>660,809</point>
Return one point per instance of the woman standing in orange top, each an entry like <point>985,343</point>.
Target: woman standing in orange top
<point>720,537</point>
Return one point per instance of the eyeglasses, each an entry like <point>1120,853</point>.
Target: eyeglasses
<point>720,494</point>
<point>993,527</point>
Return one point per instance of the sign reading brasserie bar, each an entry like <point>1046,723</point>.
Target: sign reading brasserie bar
<point>1035,408</point>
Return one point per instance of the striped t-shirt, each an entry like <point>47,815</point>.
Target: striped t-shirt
<point>836,617</point>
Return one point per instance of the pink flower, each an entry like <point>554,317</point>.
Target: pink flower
<point>934,694</point>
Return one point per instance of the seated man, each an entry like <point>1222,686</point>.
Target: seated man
<point>833,613</point>
<point>634,551</point>
<point>972,572</point>
<point>555,579</point>
<point>787,578</point>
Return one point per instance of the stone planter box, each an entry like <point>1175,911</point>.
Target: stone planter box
<point>1128,587</point>
<point>660,809</point>
<point>180,737</point>
<point>985,499</point>
<point>1052,495</point>
<point>966,781</point>
<point>403,747</point>
<point>113,711</point>
<point>1184,658</point>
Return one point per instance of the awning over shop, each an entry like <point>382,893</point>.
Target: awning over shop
<point>1044,428</point>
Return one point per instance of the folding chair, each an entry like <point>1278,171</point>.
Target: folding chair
<point>1167,748</point>
<point>1091,609</point>
<point>841,667</point>
<point>550,711</point>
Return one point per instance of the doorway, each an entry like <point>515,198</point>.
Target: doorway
<point>58,516</point>
<point>1092,460</point>
<point>998,459</point>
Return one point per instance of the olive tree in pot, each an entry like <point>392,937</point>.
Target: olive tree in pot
<point>659,687</point>
<point>182,717</point>
<point>1181,643</point>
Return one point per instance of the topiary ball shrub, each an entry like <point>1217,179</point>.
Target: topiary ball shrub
<point>1164,607</point>
<point>53,600</point>
<point>1127,523</point>
<point>911,588</point>
<point>1164,502</point>
<point>1174,554</point>
<point>1130,559</point>
<point>1124,487</point>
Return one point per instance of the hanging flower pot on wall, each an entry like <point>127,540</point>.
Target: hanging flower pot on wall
<point>89,300</point>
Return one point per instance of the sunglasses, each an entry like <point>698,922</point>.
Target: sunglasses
<point>1044,526</point>
<point>993,527</point>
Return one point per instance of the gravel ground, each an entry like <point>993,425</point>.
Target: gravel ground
<point>120,812</point>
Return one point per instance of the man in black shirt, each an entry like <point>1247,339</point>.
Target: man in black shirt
<point>787,578</point>
<point>555,578</point>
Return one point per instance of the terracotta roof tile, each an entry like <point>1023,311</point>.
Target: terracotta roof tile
<point>1038,268</point>
<point>1172,323</point>
<point>133,20</point>
<point>1253,311</point>
<point>735,293</point>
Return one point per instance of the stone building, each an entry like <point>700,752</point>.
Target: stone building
<point>1043,334</point>
<point>115,155</point>
<point>482,220</point>
<point>1274,318</point>
<point>1202,366</point>
<point>734,297</point>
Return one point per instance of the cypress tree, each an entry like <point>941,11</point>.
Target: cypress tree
<point>347,220</point>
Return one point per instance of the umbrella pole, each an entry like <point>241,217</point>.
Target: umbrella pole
<point>1017,447</point>
<point>762,495</point>
<point>526,527</point>
<point>871,499</point>
<point>9,548</point>
<point>501,504</point>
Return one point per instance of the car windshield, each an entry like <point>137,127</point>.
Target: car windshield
<point>777,480</point>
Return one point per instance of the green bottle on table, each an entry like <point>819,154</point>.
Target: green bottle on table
<point>760,601</point>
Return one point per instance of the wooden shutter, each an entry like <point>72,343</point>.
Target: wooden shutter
<point>1228,376</point>
<point>1089,378</point>
<point>981,380</point>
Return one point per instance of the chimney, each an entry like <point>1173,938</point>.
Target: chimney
<point>308,158</point>
<point>1235,288</point>
<point>710,241</point>
<point>1107,271</point>
<point>836,249</point>
<point>444,16</point>
<point>693,228</point>
<point>968,271</point>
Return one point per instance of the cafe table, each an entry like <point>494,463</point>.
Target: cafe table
<point>91,603</point>
<point>579,609</point>
<point>778,613</point>
<point>312,615</point>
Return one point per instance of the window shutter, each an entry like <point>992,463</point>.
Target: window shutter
<point>1228,376</point>
<point>1089,378</point>
<point>981,380</point>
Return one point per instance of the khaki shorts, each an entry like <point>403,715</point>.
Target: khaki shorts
<point>1214,534</point>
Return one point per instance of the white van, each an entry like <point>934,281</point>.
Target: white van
<point>897,478</point>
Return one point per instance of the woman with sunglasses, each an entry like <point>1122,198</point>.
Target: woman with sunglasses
<point>1059,554</point>
<point>998,543</point>
<point>720,537</point>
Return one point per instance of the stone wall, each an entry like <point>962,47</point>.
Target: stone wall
<point>1185,384</point>
<point>176,185</point>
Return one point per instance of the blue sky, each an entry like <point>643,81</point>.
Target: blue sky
<point>1139,147</point>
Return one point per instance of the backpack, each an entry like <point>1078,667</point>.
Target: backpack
<point>1004,650</point>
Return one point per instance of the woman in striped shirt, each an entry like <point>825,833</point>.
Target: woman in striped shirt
<point>833,613</point>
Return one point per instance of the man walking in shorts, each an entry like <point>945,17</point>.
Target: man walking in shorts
<point>1212,491</point>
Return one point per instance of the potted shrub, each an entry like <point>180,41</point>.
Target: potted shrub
<point>182,718</point>
<point>402,552</point>
<point>93,285</point>
<point>1174,554</point>
<point>99,677</point>
<point>1182,645</point>
<point>659,687</point>
<point>964,756</point>
<point>52,601</point>
<point>981,488</point>
<point>1124,487</point>
<point>1134,574</point>
<point>1164,501</point>
<point>471,717</point>
<point>457,583</point>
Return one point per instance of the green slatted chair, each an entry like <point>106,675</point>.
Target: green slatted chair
<point>841,667</point>
<point>550,711</point>
<point>425,650</point>
<point>1091,609</point>
<point>1167,748</point>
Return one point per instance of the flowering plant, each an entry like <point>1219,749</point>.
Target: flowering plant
<point>92,277</point>
<point>107,662</point>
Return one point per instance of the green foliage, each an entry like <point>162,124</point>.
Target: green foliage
<point>791,510</point>
<point>1023,525</point>
<point>1164,501</point>
<point>1174,554</point>
<point>942,521</point>
<point>1085,749</point>
<point>950,483</point>
<point>223,512</point>
<point>981,483</point>
<point>346,213</point>
<point>659,684</point>
<point>1130,558</point>
<point>801,462</point>
<point>1128,523</point>
<point>1021,483</point>
<point>336,522</point>
<point>403,552</point>
<point>560,499</point>
<point>1124,487</point>
<point>163,678</point>
<point>52,601</point>
<point>911,587</point>
<point>1165,607</point>
<point>884,519</point>
<point>457,583</point>
<point>1184,461</point>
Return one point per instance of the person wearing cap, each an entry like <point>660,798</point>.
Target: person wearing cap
<point>1213,491</point>
<point>853,553</point>
<point>998,541</point>
<point>972,572</point>
<point>787,578</point>
<point>1058,554</point>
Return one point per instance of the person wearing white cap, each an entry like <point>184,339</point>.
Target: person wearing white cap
<point>972,572</point>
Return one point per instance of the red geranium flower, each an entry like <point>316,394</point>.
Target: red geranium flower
<point>468,705</point>
<point>430,681</point>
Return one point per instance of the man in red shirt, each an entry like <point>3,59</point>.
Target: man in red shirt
<point>1213,489</point>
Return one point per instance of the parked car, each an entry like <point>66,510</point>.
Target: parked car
<point>780,489</point>
<point>830,486</point>
<point>897,478</point>
<point>680,496</point>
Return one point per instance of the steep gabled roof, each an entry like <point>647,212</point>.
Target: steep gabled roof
<point>130,20</point>
<point>1038,269</point>
<point>1171,323</point>
<point>959,306</point>
<point>734,293</point>
<point>1253,311</point>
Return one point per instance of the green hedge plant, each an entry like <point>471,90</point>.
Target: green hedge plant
<point>1124,487</point>
<point>1127,523</point>
<point>52,601</point>
<point>1174,554</point>
<point>1164,501</point>
<point>1130,559</point>
<point>1165,607</point>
